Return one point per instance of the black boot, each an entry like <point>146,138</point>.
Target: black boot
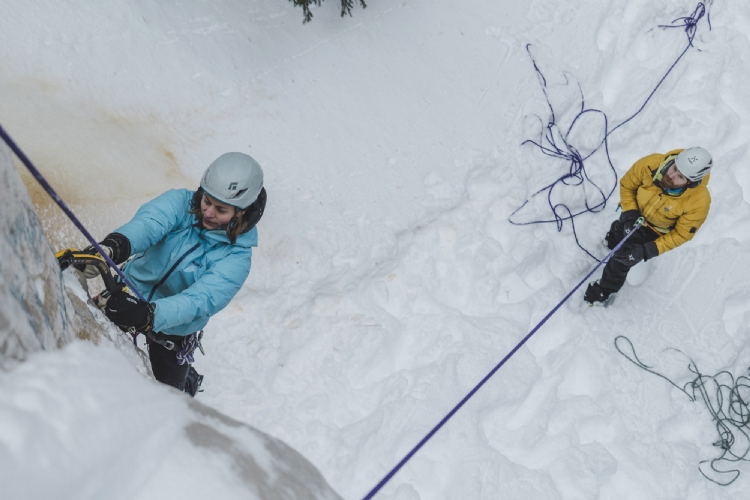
<point>193,382</point>
<point>596,296</point>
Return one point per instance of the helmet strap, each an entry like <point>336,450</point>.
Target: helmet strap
<point>663,167</point>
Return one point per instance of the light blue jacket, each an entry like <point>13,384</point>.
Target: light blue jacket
<point>208,269</point>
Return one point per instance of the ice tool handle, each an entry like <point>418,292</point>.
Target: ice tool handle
<point>72,257</point>
<point>43,182</point>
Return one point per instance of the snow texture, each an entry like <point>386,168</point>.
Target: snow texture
<point>389,280</point>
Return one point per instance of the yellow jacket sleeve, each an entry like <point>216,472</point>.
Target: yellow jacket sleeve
<point>638,175</point>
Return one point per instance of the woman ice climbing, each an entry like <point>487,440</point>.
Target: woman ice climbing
<point>191,253</point>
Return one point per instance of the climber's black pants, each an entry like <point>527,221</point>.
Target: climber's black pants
<point>164,362</point>
<point>616,270</point>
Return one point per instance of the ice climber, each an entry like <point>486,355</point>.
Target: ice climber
<point>189,255</point>
<point>670,192</point>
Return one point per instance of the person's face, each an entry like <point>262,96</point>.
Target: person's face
<point>215,213</point>
<point>673,179</point>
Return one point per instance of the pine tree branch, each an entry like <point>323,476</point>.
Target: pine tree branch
<point>346,7</point>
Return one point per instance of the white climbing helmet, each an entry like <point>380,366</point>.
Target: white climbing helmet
<point>694,163</point>
<point>233,178</point>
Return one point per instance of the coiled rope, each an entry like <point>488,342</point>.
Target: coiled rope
<point>556,144</point>
<point>728,401</point>
<point>43,182</point>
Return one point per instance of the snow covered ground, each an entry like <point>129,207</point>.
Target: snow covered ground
<point>389,280</point>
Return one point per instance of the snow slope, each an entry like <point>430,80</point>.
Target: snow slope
<point>81,423</point>
<point>389,280</point>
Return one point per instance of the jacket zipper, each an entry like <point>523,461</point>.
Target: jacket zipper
<point>161,281</point>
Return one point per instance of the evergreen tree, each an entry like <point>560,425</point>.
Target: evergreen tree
<point>346,7</point>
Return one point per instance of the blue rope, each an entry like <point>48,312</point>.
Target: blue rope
<point>496,368</point>
<point>40,178</point>
<point>577,174</point>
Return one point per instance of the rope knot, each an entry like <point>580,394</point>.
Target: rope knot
<point>690,23</point>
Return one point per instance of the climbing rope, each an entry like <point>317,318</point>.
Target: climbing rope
<point>728,401</point>
<point>497,367</point>
<point>556,144</point>
<point>43,182</point>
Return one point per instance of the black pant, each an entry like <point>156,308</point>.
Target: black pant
<point>616,270</point>
<point>164,362</point>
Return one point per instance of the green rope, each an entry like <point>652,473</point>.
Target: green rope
<point>727,399</point>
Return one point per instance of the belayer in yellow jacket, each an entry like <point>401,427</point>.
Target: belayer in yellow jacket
<point>670,192</point>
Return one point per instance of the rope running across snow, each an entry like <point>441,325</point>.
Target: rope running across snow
<point>471,393</point>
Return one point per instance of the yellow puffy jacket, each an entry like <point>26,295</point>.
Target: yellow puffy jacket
<point>676,217</point>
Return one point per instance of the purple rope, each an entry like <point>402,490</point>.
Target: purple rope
<point>495,369</point>
<point>40,178</point>
<point>189,345</point>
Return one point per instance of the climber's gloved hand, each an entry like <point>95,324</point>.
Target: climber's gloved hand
<point>117,247</point>
<point>628,219</point>
<point>633,254</point>
<point>128,312</point>
<point>650,250</point>
<point>90,271</point>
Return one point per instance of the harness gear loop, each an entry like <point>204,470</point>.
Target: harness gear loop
<point>198,338</point>
<point>167,344</point>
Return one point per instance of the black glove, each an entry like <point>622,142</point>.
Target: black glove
<point>633,254</point>
<point>650,250</point>
<point>128,312</point>
<point>117,247</point>
<point>628,218</point>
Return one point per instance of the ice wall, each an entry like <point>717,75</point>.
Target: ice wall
<point>59,408</point>
<point>32,303</point>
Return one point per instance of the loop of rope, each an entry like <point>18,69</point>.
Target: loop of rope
<point>47,187</point>
<point>690,23</point>
<point>557,145</point>
<point>727,400</point>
